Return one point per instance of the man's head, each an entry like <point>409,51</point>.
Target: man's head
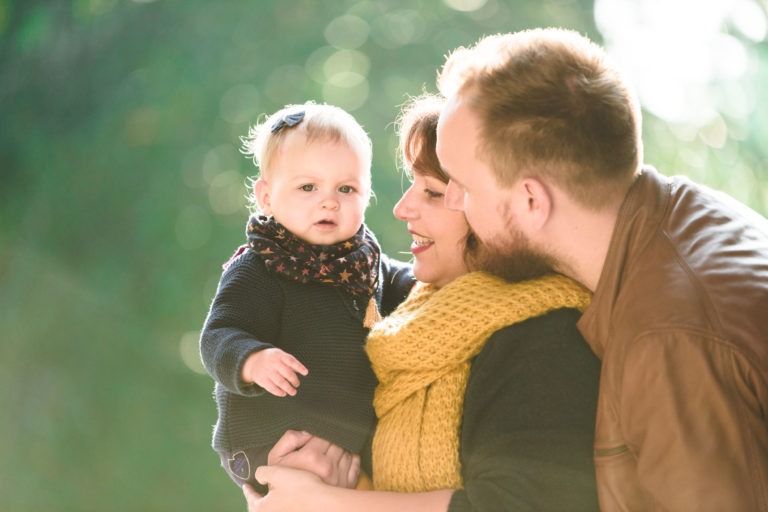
<point>549,104</point>
<point>538,108</point>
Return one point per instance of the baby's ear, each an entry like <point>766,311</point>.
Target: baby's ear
<point>261,191</point>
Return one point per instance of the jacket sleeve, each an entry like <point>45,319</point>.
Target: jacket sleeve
<point>528,424</point>
<point>243,317</point>
<point>397,280</point>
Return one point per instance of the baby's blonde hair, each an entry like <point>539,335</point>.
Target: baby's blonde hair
<point>321,123</point>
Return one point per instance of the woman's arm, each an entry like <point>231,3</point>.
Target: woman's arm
<point>397,280</point>
<point>292,490</point>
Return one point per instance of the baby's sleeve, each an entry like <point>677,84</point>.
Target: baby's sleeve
<point>244,317</point>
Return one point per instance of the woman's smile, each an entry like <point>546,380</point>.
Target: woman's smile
<point>420,243</point>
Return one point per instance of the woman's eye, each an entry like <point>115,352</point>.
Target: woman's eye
<point>307,188</point>
<point>433,194</point>
<point>346,189</point>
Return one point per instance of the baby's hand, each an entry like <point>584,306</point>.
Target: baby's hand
<point>274,370</point>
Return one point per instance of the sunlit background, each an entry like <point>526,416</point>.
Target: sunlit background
<point>122,191</point>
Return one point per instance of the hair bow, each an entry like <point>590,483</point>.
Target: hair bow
<point>289,120</point>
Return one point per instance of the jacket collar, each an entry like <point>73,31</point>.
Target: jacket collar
<point>638,220</point>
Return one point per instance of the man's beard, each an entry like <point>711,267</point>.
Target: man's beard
<point>511,258</point>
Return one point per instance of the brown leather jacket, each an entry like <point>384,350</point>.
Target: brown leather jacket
<point>680,321</point>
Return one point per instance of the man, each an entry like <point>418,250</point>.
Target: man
<point>541,140</point>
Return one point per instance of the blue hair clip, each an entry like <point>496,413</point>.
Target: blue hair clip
<point>289,120</point>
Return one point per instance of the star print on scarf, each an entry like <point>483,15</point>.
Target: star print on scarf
<point>352,264</point>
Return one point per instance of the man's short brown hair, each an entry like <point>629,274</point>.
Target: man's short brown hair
<point>551,107</point>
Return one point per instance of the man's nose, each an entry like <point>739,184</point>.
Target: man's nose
<point>454,196</point>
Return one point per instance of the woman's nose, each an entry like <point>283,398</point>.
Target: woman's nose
<point>404,209</point>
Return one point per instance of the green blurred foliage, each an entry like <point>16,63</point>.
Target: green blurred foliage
<point>122,192</point>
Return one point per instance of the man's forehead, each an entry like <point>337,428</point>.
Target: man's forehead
<point>450,108</point>
<point>454,135</point>
<point>445,124</point>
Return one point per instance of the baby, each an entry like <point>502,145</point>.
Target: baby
<point>293,306</point>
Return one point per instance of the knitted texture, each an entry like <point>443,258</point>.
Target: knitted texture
<point>422,354</point>
<point>321,325</point>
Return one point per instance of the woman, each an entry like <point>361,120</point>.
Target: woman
<point>487,391</point>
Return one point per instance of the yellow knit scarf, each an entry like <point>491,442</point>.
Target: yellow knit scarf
<point>422,355</point>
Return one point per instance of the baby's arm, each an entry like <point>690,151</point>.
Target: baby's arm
<point>274,370</point>
<point>244,317</point>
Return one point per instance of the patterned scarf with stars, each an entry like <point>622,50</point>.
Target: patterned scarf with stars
<point>352,264</point>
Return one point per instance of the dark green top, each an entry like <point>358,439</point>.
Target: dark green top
<point>319,324</point>
<point>529,420</point>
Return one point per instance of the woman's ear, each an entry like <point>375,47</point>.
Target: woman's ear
<point>261,191</point>
<point>539,202</point>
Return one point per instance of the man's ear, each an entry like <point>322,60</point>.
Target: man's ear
<point>261,192</point>
<point>539,202</point>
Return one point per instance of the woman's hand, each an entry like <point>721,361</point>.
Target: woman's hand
<point>331,463</point>
<point>294,490</point>
<point>253,499</point>
<point>290,490</point>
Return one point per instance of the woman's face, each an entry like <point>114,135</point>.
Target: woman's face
<point>438,233</point>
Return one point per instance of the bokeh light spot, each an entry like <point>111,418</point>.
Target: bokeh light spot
<point>220,159</point>
<point>347,32</point>
<point>681,69</point>
<point>315,64</point>
<point>227,193</point>
<point>346,79</point>
<point>465,5</point>
<point>346,62</point>
<point>240,104</point>
<point>349,98</point>
<point>86,8</point>
<point>397,28</point>
<point>189,350</point>
<point>749,19</point>
<point>715,134</point>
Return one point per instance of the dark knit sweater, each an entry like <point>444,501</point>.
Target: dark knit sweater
<point>319,324</point>
<point>529,420</point>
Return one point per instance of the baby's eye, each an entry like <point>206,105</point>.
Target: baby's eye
<point>307,188</point>
<point>346,189</point>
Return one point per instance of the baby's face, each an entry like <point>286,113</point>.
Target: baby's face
<point>317,190</point>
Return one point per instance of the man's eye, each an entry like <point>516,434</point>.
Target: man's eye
<point>346,189</point>
<point>307,188</point>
